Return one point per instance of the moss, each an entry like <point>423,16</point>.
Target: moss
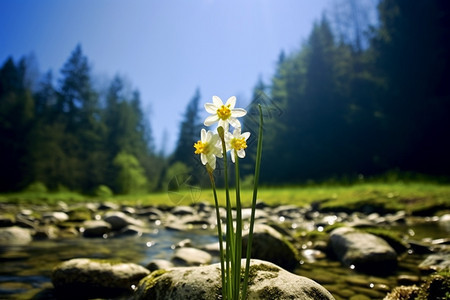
<point>271,272</point>
<point>111,262</point>
<point>330,228</point>
<point>392,238</point>
<point>437,287</point>
<point>271,292</point>
<point>150,281</point>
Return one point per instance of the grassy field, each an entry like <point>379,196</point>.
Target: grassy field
<point>412,197</point>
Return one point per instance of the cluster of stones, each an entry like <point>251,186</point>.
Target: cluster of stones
<point>277,245</point>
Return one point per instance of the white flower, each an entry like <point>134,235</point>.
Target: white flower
<point>209,147</point>
<point>237,142</point>
<point>224,113</point>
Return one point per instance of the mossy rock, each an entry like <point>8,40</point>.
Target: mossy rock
<point>266,281</point>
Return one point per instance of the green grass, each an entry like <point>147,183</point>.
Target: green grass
<point>412,197</point>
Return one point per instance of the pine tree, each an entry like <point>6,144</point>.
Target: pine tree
<point>189,133</point>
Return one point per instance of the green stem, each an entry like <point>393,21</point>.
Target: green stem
<point>255,194</point>
<point>230,247</point>
<point>219,229</point>
<point>237,269</point>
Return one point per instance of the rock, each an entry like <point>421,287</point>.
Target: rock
<point>420,247</point>
<point>268,244</point>
<point>46,232</point>
<point>266,281</point>
<point>403,292</point>
<point>183,243</point>
<point>436,287</point>
<point>362,251</point>
<point>191,257</point>
<point>96,228</point>
<point>213,248</point>
<point>259,214</point>
<point>152,213</point>
<point>119,220</point>
<point>90,278</point>
<point>15,235</point>
<point>435,262</point>
<point>55,217</point>
<point>108,206</point>
<point>408,279</point>
<point>159,264</point>
<point>7,220</point>
<point>131,230</point>
<point>444,221</point>
<point>183,211</point>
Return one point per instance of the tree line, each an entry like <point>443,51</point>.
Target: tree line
<point>71,136</point>
<point>355,99</point>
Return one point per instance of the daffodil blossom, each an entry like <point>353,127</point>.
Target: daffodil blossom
<point>208,147</point>
<point>237,143</point>
<point>225,114</point>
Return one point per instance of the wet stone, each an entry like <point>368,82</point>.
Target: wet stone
<point>119,220</point>
<point>191,257</point>
<point>159,264</point>
<point>363,251</point>
<point>183,211</point>
<point>435,262</point>
<point>96,228</point>
<point>92,278</point>
<point>15,236</point>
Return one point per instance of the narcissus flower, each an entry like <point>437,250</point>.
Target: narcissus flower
<point>237,143</point>
<point>225,114</point>
<point>208,147</point>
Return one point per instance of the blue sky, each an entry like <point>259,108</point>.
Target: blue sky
<point>166,49</point>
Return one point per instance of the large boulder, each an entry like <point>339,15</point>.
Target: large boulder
<point>363,251</point>
<point>15,235</point>
<point>266,281</point>
<point>89,278</point>
<point>270,245</point>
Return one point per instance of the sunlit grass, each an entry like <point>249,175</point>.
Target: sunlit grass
<point>392,196</point>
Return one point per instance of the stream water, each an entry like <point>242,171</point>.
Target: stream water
<point>25,270</point>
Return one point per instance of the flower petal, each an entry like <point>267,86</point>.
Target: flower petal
<point>246,135</point>
<point>203,158</point>
<point>237,132</point>
<point>211,108</point>
<point>203,135</point>
<point>217,101</point>
<point>209,136</point>
<point>238,112</point>
<point>214,138</point>
<point>241,153</point>
<point>231,102</point>
<point>212,162</point>
<point>224,125</point>
<point>211,120</point>
<point>232,156</point>
<point>234,122</point>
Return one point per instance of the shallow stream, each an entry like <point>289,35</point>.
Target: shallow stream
<point>25,270</point>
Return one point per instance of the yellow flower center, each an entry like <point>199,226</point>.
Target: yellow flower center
<point>201,147</point>
<point>238,143</point>
<point>224,112</point>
